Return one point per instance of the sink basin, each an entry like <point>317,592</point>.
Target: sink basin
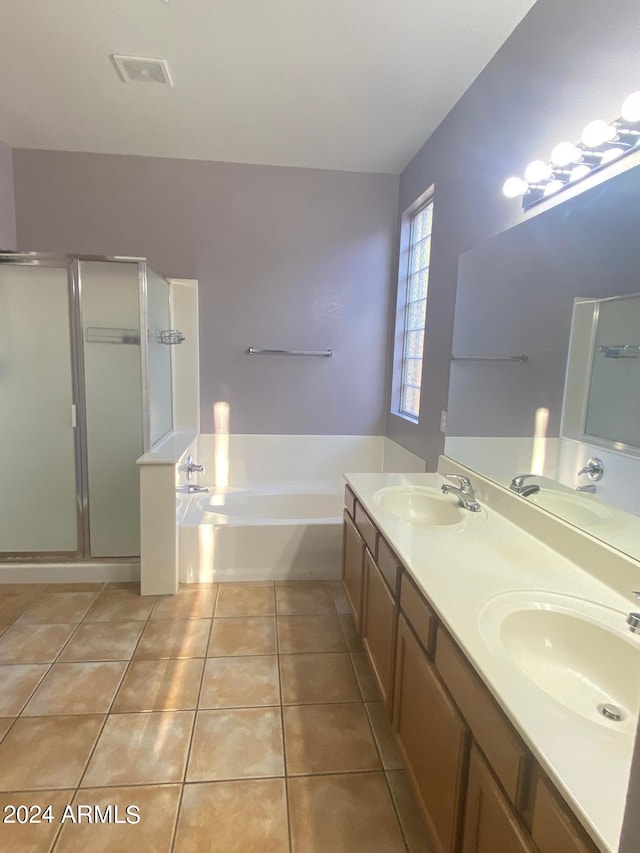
<point>576,509</point>
<point>579,653</point>
<point>420,505</point>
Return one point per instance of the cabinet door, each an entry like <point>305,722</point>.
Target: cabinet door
<point>379,620</point>
<point>553,826</point>
<point>433,739</point>
<point>353,567</point>
<point>490,822</point>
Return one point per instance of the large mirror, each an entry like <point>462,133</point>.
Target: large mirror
<point>545,372</point>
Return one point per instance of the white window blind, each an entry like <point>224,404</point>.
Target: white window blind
<point>415,309</point>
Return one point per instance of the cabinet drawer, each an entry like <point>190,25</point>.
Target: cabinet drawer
<point>389,566</point>
<point>365,528</point>
<point>350,501</point>
<point>418,613</point>
<point>507,754</point>
<point>553,826</point>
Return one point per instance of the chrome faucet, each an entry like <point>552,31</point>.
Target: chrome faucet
<point>517,485</point>
<point>464,491</point>
<point>191,467</point>
<point>191,489</point>
<point>594,469</point>
<point>633,621</point>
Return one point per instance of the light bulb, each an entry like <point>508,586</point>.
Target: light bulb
<point>552,187</point>
<point>611,154</point>
<point>597,132</point>
<point>565,153</point>
<point>537,171</point>
<point>513,187</point>
<point>631,108</point>
<point>579,172</point>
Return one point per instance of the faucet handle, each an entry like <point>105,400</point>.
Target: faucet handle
<point>464,483</point>
<point>594,468</point>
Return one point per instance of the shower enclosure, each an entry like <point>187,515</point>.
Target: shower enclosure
<point>85,389</point>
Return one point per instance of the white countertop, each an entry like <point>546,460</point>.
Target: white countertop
<point>459,569</point>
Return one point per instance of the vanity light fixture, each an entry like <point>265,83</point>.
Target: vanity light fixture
<point>601,143</point>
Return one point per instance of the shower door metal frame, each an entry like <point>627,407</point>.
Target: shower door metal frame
<point>74,292</point>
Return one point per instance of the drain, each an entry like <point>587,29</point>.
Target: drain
<point>611,712</point>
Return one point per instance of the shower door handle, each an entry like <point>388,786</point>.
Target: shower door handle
<point>74,416</point>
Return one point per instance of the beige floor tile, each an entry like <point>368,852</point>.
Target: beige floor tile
<point>103,641</point>
<point>366,680</point>
<point>138,749</point>
<point>26,643</point>
<point>52,607</point>
<point>178,638</point>
<point>328,739</point>
<point>248,635</point>
<point>13,603</point>
<point>236,744</point>
<point>47,752</point>
<point>339,598</point>
<point>157,808</point>
<point>4,626</point>
<point>5,725</point>
<point>351,635</point>
<point>299,634</point>
<point>186,604</point>
<point>244,599</point>
<point>32,837</point>
<point>383,735</point>
<point>303,597</point>
<point>249,816</point>
<point>18,682</point>
<point>350,813</point>
<point>240,682</point>
<point>119,605</point>
<point>160,685</point>
<point>318,678</point>
<point>76,688</point>
<point>74,587</point>
<point>22,588</point>
<point>411,821</point>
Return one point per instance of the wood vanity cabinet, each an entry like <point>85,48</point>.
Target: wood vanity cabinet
<point>433,740</point>
<point>490,823</point>
<point>379,625</point>
<point>478,786</point>
<point>353,567</point>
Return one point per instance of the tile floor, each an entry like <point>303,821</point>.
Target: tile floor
<point>238,717</point>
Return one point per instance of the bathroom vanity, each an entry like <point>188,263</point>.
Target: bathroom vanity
<point>494,655</point>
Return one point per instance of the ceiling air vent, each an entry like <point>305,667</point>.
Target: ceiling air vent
<point>141,69</point>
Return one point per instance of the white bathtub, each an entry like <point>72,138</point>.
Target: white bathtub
<point>282,517</point>
<point>270,532</point>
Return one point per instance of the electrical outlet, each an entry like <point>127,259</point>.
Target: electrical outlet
<point>443,422</point>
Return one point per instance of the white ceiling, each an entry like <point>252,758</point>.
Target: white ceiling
<point>332,84</point>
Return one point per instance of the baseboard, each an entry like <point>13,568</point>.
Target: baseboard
<point>69,572</point>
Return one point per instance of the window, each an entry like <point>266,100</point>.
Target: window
<point>415,308</point>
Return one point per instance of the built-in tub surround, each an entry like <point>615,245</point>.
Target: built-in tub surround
<point>466,569</point>
<point>273,509</point>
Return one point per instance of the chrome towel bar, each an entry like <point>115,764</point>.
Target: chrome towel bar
<point>522,357</point>
<point>325,353</point>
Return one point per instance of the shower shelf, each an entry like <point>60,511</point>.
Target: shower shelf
<point>620,351</point>
<point>99,335</point>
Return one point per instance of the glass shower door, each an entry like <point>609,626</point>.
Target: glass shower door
<point>38,509</point>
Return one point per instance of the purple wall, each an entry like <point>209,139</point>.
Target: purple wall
<point>565,64</point>
<point>7,206</point>
<point>286,258</point>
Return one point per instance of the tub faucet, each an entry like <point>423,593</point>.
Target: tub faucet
<point>190,489</point>
<point>464,491</point>
<point>517,485</point>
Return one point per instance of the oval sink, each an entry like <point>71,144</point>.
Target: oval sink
<point>420,505</point>
<point>579,653</point>
<point>576,509</point>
